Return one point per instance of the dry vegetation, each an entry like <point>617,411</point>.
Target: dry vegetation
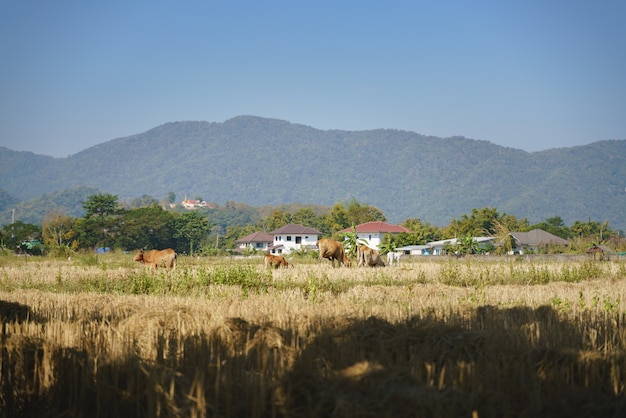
<point>103,337</point>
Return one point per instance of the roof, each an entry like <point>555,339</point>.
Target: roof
<point>453,241</point>
<point>599,249</point>
<point>380,227</point>
<point>259,236</point>
<point>295,229</point>
<point>413,248</point>
<point>537,237</point>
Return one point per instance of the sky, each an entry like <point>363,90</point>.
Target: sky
<point>531,75</point>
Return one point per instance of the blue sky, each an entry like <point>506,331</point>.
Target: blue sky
<point>531,74</point>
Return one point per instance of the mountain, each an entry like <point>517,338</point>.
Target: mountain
<point>263,161</point>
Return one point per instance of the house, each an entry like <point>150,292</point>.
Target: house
<point>194,204</point>
<point>293,236</point>
<point>601,250</point>
<point>415,249</point>
<point>259,241</point>
<point>437,247</point>
<point>531,241</point>
<point>373,232</point>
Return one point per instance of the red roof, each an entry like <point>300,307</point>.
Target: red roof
<point>379,227</point>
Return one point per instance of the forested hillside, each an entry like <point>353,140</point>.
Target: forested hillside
<point>268,162</point>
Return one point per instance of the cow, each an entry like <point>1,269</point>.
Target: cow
<point>275,261</point>
<point>393,257</point>
<point>157,258</point>
<point>369,257</point>
<point>332,250</point>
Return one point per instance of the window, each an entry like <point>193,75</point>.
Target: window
<point>288,237</point>
<point>298,240</point>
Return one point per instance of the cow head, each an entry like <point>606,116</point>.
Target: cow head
<point>139,256</point>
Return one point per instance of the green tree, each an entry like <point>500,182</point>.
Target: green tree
<point>14,234</point>
<point>233,233</point>
<point>555,226</point>
<point>143,201</point>
<point>351,241</point>
<point>190,230</point>
<point>99,227</point>
<point>146,228</point>
<point>277,219</point>
<point>483,222</point>
<point>336,220</point>
<point>360,213</point>
<point>101,206</point>
<point>423,232</point>
<point>307,217</point>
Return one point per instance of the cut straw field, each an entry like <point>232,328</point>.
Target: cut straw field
<point>436,337</point>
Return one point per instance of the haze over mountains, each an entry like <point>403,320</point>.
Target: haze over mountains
<point>263,161</point>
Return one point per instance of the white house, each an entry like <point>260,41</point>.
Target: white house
<point>415,249</point>
<point>260,241</point>
<point>438,246</point>
<point>373,232</point>
<point>293,236</point>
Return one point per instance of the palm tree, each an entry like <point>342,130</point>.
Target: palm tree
<point>504,240</point>
<point>351,241</point>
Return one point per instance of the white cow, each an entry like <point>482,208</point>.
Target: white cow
<point>393,257</point>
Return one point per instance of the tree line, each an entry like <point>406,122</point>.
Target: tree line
<point>147,224</point>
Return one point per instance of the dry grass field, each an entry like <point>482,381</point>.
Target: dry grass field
<point>101,336</point>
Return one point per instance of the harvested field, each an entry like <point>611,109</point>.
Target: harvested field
<point>229,338</point>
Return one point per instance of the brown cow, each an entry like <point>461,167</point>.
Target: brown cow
<point>369,257</point>
<point>157,258</point>
<point>332,250</point>
<point>275,261</point>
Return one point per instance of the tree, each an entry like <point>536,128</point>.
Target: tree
<point>278,218</point>
<point>423,232</point>
<point>190,230</point>
<point>171,197</point>
<point>336,220</point>
<point>466,245</point>
<point>555,226</point>
<point>482,222</point>
<point>143,201</point>
<point>14,234</point>
<point>351,241</point>
<point>306,216</point>
<point>58,231</point>
<point>99,227</point>
<point>358,214</point>
<point>146,228</point>
<point>504,240</point>
<point>101,206</point>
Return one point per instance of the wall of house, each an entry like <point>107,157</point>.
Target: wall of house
<point>373,239</point>
<point>294,241</point>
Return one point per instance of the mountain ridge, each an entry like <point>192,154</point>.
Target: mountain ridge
<point>262,161</point>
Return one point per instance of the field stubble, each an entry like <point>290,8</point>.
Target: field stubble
<point>226,337</point>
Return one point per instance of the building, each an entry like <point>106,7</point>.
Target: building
<point>531,241</point>
<point>258,241</point>
<point>438,247</point>
<point>194,204</point>
<point>373,232</point>
<point>293,236</point>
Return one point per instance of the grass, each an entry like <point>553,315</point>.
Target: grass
<point>225,337</point>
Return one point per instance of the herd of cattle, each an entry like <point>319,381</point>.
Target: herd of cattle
<point>328,248</point>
